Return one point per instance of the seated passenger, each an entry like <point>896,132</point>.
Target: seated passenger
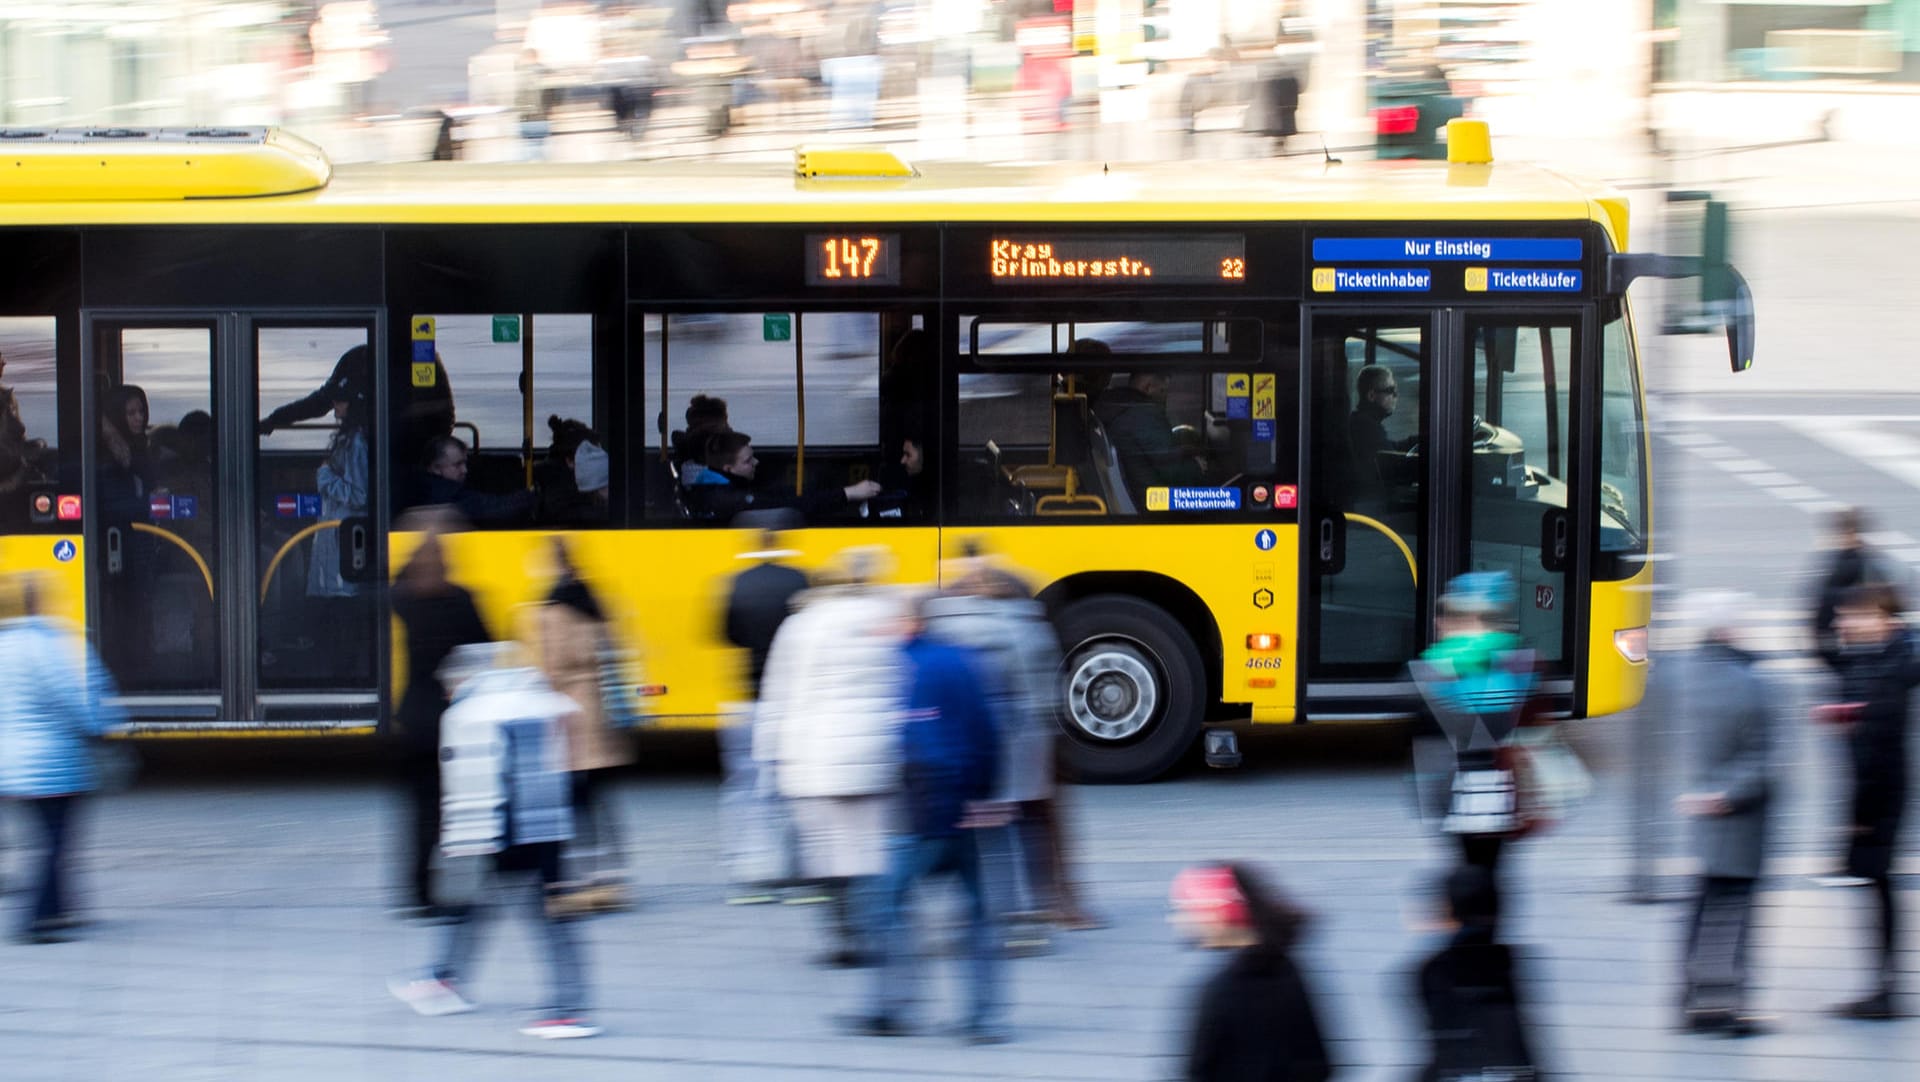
<point>554,478</point>
<point>705,416</point>
<point>1136,422</point>
<point>726,487</point>
<point>907,484</point>
<point>446,483</point>
<point>1367,431</point>
<point>590,480</point>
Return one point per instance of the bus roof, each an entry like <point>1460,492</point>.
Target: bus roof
<point>1297,189</point>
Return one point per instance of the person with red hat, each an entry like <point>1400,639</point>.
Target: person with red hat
<point>1255,1019</point>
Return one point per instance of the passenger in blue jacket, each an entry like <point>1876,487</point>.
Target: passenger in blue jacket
<point>950,745</point>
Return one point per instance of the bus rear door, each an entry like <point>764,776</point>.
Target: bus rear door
<point>234,573</point>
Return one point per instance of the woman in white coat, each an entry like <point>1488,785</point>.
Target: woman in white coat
<point>827,732</point>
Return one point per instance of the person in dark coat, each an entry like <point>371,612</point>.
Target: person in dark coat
<point>438,616</point>
<point>1730,784</point>
<point>727,486</point>
<point>1136,423</point>
<point>1254,1020</point>
<point>1379,394</point>
<point>759,600</point>
<point>1878,670</point>
<point>445,483</point>
<point>950,761</point>
<point>1476,1023</point>
<point>1850,562</point>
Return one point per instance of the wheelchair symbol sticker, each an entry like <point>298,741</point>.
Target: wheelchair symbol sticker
<point>63,550</point>
<point>1265,540</point>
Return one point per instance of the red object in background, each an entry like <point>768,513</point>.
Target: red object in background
<point>1398,120</point>
<point>1063,7</point>
<point>1261,495</point>
<point>1838,713</point>
<point>68,509</point>
<point>160,507</point>
<point>1286,497</point>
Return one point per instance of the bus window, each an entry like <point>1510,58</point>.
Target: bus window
<point>1158,420</point>
<point>1520,460</point>
<point>29,423</point>
<point>1623,476</point>
<point>806,389</point>
<point>516,392</point>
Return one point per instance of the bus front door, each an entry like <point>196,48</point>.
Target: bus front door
<point>1440,442</point>
<point>233,559</point>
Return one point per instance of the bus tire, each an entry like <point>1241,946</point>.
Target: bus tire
<point>1133,690</point>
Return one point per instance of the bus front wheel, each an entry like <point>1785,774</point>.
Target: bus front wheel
<point>1132,689</point>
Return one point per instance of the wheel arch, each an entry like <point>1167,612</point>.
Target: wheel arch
<point>1179,602</point>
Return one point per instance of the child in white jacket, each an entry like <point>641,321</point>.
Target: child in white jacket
<point>503,772</point>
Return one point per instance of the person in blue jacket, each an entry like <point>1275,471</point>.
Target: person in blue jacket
<point>58,702</point>
<point>950,744</point>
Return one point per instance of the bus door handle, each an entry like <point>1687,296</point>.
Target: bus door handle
<point>1330,544</point>
<point>115,557</point>
<point>1556,540</point>
<point>356,549</point>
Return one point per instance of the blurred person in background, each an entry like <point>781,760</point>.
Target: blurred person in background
<point>705,415</point>
<point>1254,1019</point>
<point>828,728</point>
<point>569,637</point>
<point>1850,562</point>
<point>505,815</point>
<point>59,703</point>
<point>1878,670</point>
<point>1730,734</point>
<point>1468,990</point>
<point>989,612</point>
<point>753,827</point>
<point>1478,682</point>
<point>437,616</point>
<point>950,757</point>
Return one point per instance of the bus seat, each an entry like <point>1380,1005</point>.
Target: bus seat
<point>1106,462</point>
<point>1073,443</point>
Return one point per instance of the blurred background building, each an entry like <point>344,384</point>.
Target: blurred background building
<point>1049,78</point>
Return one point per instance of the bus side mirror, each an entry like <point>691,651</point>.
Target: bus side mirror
<point>1737,310</point>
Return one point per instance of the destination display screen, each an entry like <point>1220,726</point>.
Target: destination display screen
<point>853,259</point>
<point>1117,259</point>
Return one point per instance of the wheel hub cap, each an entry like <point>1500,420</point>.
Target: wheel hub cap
<point>1112,693</point>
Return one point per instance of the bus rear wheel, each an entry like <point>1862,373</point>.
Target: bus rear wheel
<point>1132,689</point>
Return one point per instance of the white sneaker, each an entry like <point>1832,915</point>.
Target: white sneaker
<point>429,995</point>
<point>560,1029</point>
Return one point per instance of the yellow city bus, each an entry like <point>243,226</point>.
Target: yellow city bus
<point>1236,422</point>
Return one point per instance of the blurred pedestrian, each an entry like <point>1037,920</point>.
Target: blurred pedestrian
<point>1254,1019</point>
<point>1850,562</point>
<point>828,729</point>
<point>1477,1026</point>
<point>506,813</point>
<point>1478,682</point>
<point>59,702</point>
<point>754,829</point>
<point>570,639</point>
<point>1730,783</point>
<point>1878,670</point>
<point>950,759</point>
<point>437,616</point>
<point>988,611</point>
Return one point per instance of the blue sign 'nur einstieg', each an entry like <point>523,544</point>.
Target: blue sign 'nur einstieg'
<point>1490,249</point>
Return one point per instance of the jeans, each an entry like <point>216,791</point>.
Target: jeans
<point>912,859</point>
<point>525,871</point>
<point>56,822</point>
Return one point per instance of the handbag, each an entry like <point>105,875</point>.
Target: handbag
<point>622,706</point>
<point>1550,779</point>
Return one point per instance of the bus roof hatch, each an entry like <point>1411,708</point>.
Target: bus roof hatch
<point>59,165</point>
